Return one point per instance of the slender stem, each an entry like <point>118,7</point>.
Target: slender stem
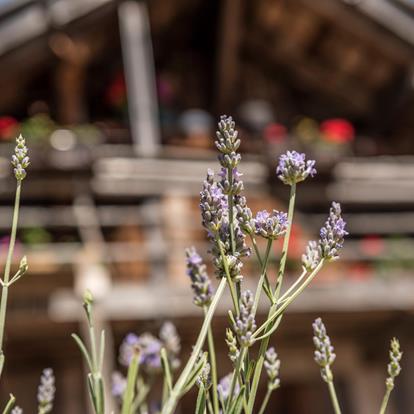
<point>5,291</point>
<point>268,289</point>
<point>265,342</point>
<point>265,401</point>
<point>213,365</point>
<point>289,300</point>
<point>229,279</point>
<point>175,393</point>
<point>262,277</point>
<point>293,287</point>
<point>235,376</point>
<point>285,247</point>
<point>385,401</point>
<point>334,398</point>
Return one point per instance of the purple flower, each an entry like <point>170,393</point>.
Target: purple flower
<point>245,322</point>
<point>332,234</point>
<point>119,384</point>
<point>324,351</point>
<point>224,385</point>
<point>227,136</point>
<point>200,282</point>
<point>212,204</point>
<point>149,348</point>
<point>244,215</point>
<point>270,225</point>
<point>171,342</point>
<point>293,168</point>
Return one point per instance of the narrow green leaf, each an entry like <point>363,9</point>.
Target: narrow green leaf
<point>101,350</point>
<point>201,401</point>
<point>10,404</point>
<point>128,398</point>
<point>84,351</point>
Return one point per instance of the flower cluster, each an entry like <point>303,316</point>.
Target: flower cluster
<point>244,215</point>
<point>224,386</point>
<point>272,366</point>
<point>293,168</point>
<point>324,353</point>
<point>204,379</point>
<point>20,160</point>
<point>228,143</point>
<point>200,282</point>
<point>149,348</point>
<point>119,384</point>
<point>270,225</point>
<point>394,367</point>
<point>332,234</point>
<point>213,204</point>
<point>46,391</point>
<point>17,410</point>
<point>311,257</point>
<point>245,322</point>
<point>231,342</point>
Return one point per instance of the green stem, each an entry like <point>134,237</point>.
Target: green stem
<point>10,404</point>
<point>213,365</point>
<point>285,247</point>
<point>385,401</point>
<point>5,291</point>
<point>267,288</point>
<point>289,300</point>
<point>265,401</point>
<point>235,376</point>
<point>334,398</point>
<point>175,393</point>
<point>293,287</point>
<point>228,277</point>
<point>262,277</point>
<point>265,342</point>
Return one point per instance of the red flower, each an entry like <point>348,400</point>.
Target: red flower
<point>8,126</point>
<point>337,130</point>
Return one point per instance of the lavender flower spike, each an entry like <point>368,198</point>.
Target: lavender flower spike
<point>394,367</point>
<point>245,322</point>
<point>20,160</point>
<point>311,257</point>
<point>324,354</point>
<point>46,392</point>
<point>212,204</point>
<point>223,388</point>
<point>119,384</point>
<point>270,225</point>
<point>231,342</point>
<point>293,168</point>
<point>200,282</point>
<point>332,234</point>
<point>272,366</point>
<point>172,343</point>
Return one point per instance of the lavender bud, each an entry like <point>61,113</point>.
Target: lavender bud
<point>232,344</point>
<point>394,367</point>
<point>227,141</point>
<point>46,391</point>
<point>172,343</point>
<point>20,160</point>
<point>235,186</point>
<point>324,353</point>
<point>200,282</point>
<point>119,384</point>
<point>17,410</point>
<point>244,215</point>
<point>332,234</point>
<point>224,385</point>
<point>270,225</point>
<point>204,379</point>
<point>272,366</point>
<point>293,168</point>
<point>245,322</point>
<point>312,257</point>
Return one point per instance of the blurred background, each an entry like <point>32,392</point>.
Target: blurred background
<point>118,101</point>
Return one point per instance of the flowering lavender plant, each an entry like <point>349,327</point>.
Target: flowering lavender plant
<point>230,225</point>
